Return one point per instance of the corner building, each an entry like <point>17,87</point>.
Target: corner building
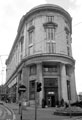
<point>42,52</point>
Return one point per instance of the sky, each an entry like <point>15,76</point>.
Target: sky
<point>11,12</point>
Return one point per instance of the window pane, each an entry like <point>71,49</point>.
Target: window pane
<point>50,18</point>
<point>32,90</point>
<point>50,32</point>
<point>53,46</point>
<point>30,37</point>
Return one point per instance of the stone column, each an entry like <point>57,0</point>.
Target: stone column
<point>40,79</point>
<point>63,83</point>
<point>18,82</point>
<point>73,85</point>
<point>25,77</point>
<point>59,89</point>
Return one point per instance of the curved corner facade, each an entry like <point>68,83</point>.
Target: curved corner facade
<point>42,52</point>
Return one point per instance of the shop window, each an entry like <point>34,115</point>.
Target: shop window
<point>33,70</point>
<point>32,90</point>
<point>68,90</point>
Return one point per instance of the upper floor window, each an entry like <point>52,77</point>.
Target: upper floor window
<point>32,90</point>
<point>50,33</point>
<point>22,42</point>
<point>31,23</point>
<point>31,33</point>
<point>30,37</point>
<point>67,34</point>
<point>68,50</point>
<point>50,18</point>
<point>21,47</point>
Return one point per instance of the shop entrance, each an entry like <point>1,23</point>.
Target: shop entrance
<point>51,101</point>
<point>51,91</point>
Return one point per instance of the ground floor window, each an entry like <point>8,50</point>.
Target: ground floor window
<point>32,90</point>
<point>68,90</point>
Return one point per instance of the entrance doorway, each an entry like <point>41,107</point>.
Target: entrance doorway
<point>51,101</point>
<point>51,91</point>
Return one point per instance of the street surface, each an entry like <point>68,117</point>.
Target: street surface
<point>42,113</point>
<point>6,114</point>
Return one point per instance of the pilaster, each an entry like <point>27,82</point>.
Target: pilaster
<point>40,79</point>
<point>73,85</point>
<point>25,77</point>
<point>63,83</point>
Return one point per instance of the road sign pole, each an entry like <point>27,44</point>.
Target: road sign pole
<point>21,90</point>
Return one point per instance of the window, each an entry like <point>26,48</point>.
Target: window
<point>50,33</point>
<point>20,76</point>
<point>50,29</point>
<point>50,36</point>
<point>68,90</point>
<point>31,23</point>
<point>49,68</point>
<point>50,18</point>
<point>51,82</point>
<point>51,47</point>
<point>67,70</point>
<point>68,50</point>
<point>21,44</point>
<point>32,90</point>
<point>30,37</point>
<point>33,70</point>
<point>67,34</point>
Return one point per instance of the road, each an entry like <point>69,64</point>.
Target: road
<point>6,113</point>
<point>42,114</point>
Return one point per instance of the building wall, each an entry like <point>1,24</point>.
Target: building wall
<point>25,53</point>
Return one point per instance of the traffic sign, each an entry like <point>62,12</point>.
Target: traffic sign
<point>22,88</point>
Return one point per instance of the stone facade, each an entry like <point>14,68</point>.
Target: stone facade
<point>42,52</point>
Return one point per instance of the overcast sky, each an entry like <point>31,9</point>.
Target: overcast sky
<point>11,12</point>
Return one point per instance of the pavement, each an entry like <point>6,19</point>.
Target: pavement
<point>42,113</point>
